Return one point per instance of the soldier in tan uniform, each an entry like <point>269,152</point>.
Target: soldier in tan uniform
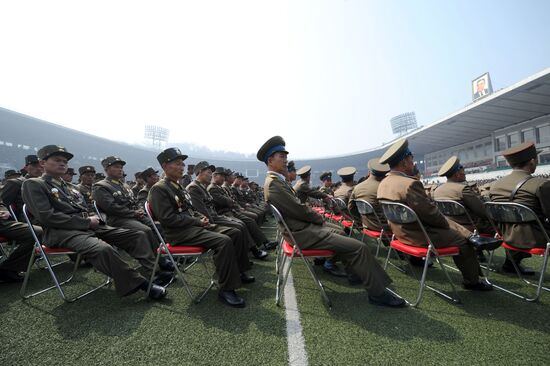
<point>303,188</point>
<point>521,187</point>
<point>367,191</point>
<point>326,188</point>
<point>400,186</point>
<point>344,191</point>
<point>307,227</point>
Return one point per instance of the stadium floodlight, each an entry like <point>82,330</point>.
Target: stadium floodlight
<point>403,123</point>
<point>158,135</point>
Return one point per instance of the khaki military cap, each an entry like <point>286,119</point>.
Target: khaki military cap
<point>346,171</point>
<point>50,150</point>
<point>451,166</point>
<point>396,152</point>
<point>270,147</point>
<point>376,168</point>
<point>305,170</point>
<point>520,153</point>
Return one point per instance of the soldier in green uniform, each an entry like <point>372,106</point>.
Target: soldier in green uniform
<point>326,188</point>
<point>10,194</point>
<point>188,177</point>
<point>241,199</point>
<point>87,174</point>
<point>11,174</point>
<point>225,205</point>
<point>138,185</point>
<point>68,176</point>
<point>67,224</point>
<point>522,187</point>
<point>150,178</point>
<point>228,187</point>
<point>182,225</point>
<point>400,186</point>
<point>307,227</point>
<point>344,191</point>
<point>291,172</point>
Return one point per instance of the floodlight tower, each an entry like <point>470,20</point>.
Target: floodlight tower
<point>158,135</point>
<point>403,123</point>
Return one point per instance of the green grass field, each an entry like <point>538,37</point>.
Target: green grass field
<point>102,329</point>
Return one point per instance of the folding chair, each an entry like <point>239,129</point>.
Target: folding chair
<point>4,242</point>
<point>345,219</point>
<point>45,253</point>
<point>288,252</point>
<point>399,213</point>
<point>365,208</point>
<point>509,213</point>
<point>11,208</point>
<point>101,215</point>
<point>178,251</point>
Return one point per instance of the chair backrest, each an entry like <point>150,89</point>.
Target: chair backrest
<point>399,213</point>
<point>364,207</point>
<point>27,215</point>
<point>151,217</point>
<point>340,203</point>
<point>101,215</point>
<point>453,208</point>
<point>283,227</point>
<point>11,209</point>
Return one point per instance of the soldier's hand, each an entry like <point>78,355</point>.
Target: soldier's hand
<point>204,221</point>
<point>4,215</point>
<point>94,222</point>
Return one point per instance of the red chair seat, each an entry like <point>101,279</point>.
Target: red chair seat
<point>535,251</point>
<point>485,235</point>
<point>337,217</point>
<point>372,233</point>
<point>49,250</point>
<point>420,251</point>
<point>347,223</point>
<point>288,249</point>
<point>184,249</point>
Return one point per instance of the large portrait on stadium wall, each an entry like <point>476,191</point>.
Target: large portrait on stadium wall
<point>481,86</point>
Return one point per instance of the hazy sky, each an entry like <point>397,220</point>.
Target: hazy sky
<point>326,75</point>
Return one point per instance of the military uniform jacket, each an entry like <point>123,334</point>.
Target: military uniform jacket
<point>172,207</point>
<point>367,191</point>
<point>304,223</point>
<point>60,210</point>
<point>86,192</point>
<point>10,194</point>
<point>399,187</point>
<point>113,198</point>
<point>142,197</point>
<point>135,190</point>
<point>221,199</point>
<point>326,190</point>
<point>467,195</point>
<point>239,196</point>
<point>344,192</point>
<point>304,190</point>
<point>202,200</point>
<point>535,194</point>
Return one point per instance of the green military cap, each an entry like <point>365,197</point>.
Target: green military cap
<point>290,166</point>
<point>191,167</point>
<point>270,147</point>
<point>346,172</point>
<point>169,155</point>
<point>238,175</point>
<point>245,179</point>
<point>220,170</point>
<point>50,150</point>
<point>451,166</point>
<point>201,165</point>
<point>31,159</point>
<point>86,169</point>
<point>396,152</point>
<point>520,153</point>
<point>305,170</point>
<point>137,175</point>
<point>229,172</point>
<point>99,176</point>
<point>325,176</point>
<point>70,171</point>
<point>377,169</point>
<point>148,172</point>
<point>11,173</point>
<point>110,160</point>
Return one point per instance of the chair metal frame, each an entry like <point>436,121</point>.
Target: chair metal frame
<point>287,259</point>
<point>365,208</point>
<point>400,213</point>
<point>521,215</point>
<point>341,204</point>
<point>5,242</point>
<point>42,251</point>
<point>164,248</point>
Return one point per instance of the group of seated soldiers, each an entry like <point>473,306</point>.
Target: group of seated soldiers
<point>218,210</point>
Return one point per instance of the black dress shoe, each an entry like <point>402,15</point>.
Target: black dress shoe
<point>258,254</point>
<point>480,286</point>
<point>483,243</point>
<point>319,261</point>
<point>166,264</point>
<point>231,298</point>
<point>508,267</point>
<point>245,278</point>
<point>10,276</point>
<point>387,299</point>
<point>335,271</point>
<point>270,245</point>
<point>157,292</point>
<point>164,278</point>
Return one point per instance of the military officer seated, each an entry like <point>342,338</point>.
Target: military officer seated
<point>182,225</point>
<point>326,188</point>
<point>520,186</point>
<point>400,186</point>
<point>150,178</point>
<point>68,176</point>
<point>307,227</point>
<point>87,174</point>
<point>344,191</point>
<point>303,188</point>
<point>66,223</point>
<point>10,194</point>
